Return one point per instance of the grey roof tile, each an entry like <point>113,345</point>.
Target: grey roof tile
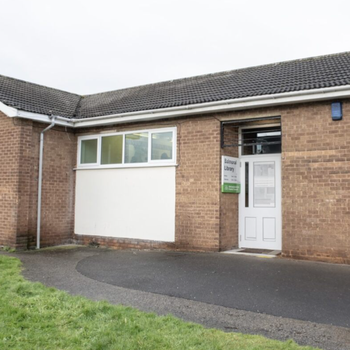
<point>35,98</point>
<point>297,75</point>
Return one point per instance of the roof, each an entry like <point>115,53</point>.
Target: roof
<point>35,98</point>
<point>297,75</point>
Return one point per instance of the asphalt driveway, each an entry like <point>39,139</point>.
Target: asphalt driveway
<point>314,292</point>
<point>280,299</point>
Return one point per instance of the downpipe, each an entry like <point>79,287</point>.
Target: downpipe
<point>41,152</point>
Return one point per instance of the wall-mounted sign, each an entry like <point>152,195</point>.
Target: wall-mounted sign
<point>230,175</point>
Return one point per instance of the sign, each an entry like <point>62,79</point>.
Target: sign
<point>230,179</point>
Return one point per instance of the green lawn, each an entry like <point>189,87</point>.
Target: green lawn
<point>33,316</point>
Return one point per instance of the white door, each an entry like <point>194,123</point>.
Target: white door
<point>260,202</point>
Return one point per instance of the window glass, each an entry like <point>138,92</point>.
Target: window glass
<point>112,149</point>
<point>261,141</point>
<point>88,151</point>
<point>136,148</point>
<point>162,146</point>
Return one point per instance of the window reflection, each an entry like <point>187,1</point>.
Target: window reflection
<point>162,146</point>
<point>136,148</point>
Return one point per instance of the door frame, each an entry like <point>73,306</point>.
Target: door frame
<point>256,156</point>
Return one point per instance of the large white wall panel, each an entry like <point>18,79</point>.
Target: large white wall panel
<point>126,203</point>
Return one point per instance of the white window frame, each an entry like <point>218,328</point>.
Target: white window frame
<point>149,163</point>
<point>84,138</point>
<point>160,161</point>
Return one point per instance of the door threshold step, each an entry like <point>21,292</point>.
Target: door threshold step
<point>262,253</point>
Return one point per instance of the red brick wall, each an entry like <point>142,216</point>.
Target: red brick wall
<point>10,135</point>
<point>25,189</point>
<point>58,186</point>
<point>316,183</point>
<point>19,147</point>
<point>197,186</point>
<point>229,201</point>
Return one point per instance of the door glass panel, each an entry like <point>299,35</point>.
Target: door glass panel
<point>264,184</point>
<point>246,199</point>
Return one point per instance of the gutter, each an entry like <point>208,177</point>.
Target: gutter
<point>41,152</point>
<point>202,108</point>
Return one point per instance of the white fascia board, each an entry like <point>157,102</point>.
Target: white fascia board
<point>203,108</point>
<point>9,111</point>
<point>45,118</point>
<point>219,106</point>
<point>15,113</point>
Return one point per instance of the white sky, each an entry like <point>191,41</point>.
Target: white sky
<point>86,46</point>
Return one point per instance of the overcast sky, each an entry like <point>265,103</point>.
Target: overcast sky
<point>86,46</point>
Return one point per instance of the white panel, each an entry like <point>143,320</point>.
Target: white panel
<point>250,229</point>
<point>269,229</point>
<point>126,203</point>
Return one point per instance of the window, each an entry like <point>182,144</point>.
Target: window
<point>261,140</point>
<point>137,148</point>
<point>88,151</point>
<point>162,145</point>
<point>112,149</point>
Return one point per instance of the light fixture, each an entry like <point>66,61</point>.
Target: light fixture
<point>337,111</point>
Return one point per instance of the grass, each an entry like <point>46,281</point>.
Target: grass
<point>8,249</point>
<point>33,316</point>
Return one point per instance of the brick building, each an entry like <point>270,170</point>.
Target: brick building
<point>142,167</point>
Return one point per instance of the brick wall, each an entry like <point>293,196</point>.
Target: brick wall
<point>58,186</point>
<point>197,185</point>
<point>19,147</point>
<point>229,201</point>
<point>10,135</point>
<point>316,183</point>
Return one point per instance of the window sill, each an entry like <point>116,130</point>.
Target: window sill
<point>126,166</point>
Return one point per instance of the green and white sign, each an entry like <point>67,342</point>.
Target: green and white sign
<point>230,179</point>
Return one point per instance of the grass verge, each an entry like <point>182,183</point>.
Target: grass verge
<point>33,316</point>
